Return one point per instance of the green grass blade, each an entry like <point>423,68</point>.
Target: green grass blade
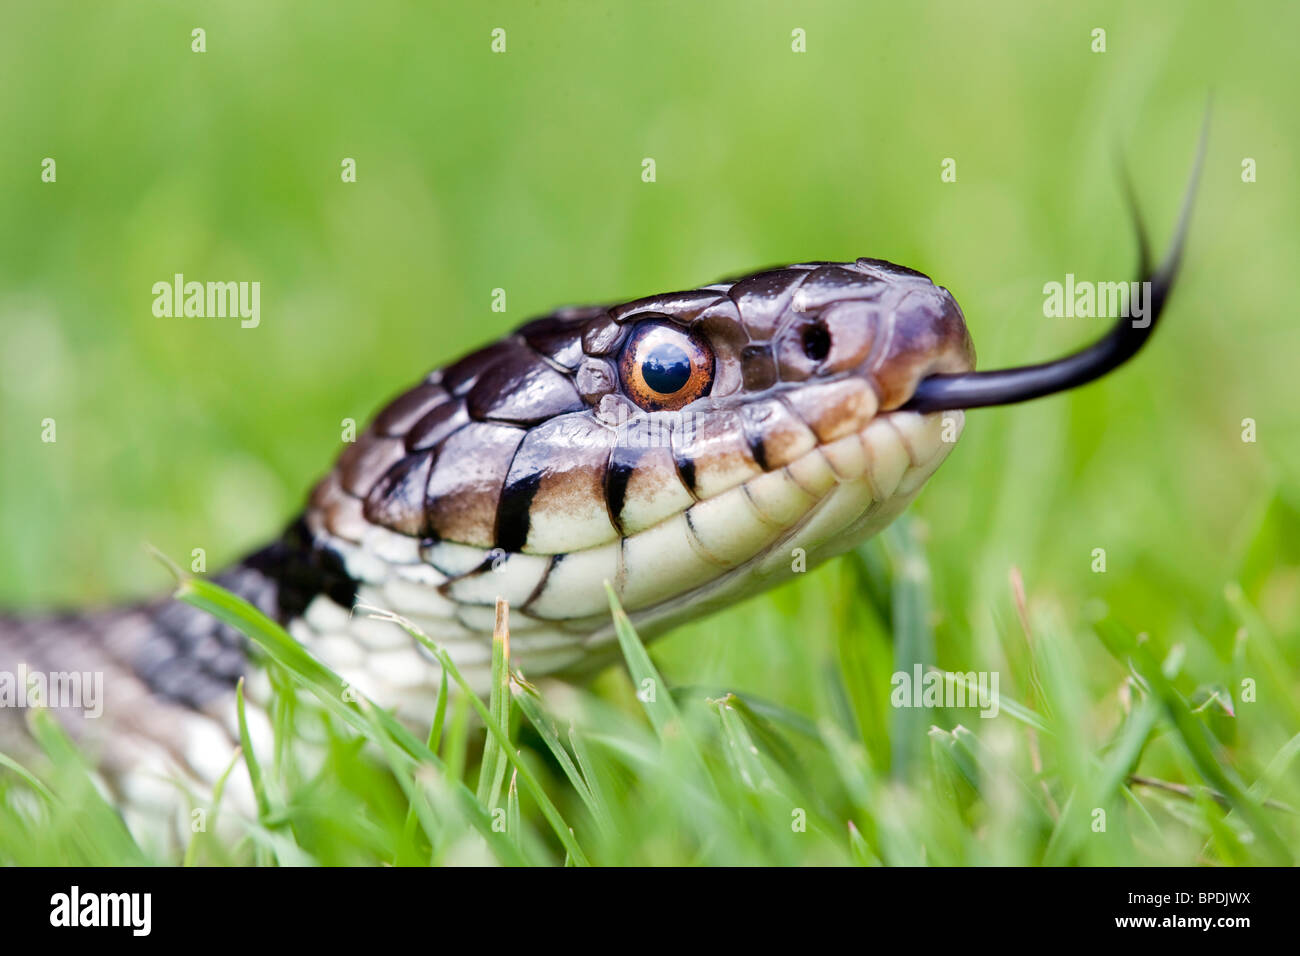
<point>1013,708</point>
<point>913,644</point>
<point>103,830</point>
<point>328,688</point>
<point>530,707</point>
<point>29,778</point>
<point>1196,741</point>
<point>218,791</point>
<point>741,751</point>
<point>655,697</point>
<point>530,782</point>
<point>250,757</point>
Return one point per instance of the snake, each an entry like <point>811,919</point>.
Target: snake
<point>687,450</point>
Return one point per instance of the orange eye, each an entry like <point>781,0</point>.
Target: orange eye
<point>665,367</point>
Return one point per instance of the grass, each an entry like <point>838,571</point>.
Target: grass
<point>688,776</point>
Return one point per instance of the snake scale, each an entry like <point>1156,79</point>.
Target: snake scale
<point>684,447</point>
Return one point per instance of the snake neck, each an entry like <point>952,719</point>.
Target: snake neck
<point>156,677</point>
<point>187,656</point>
<point>297,568</point>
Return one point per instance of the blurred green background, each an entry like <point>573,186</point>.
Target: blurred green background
<point>522,171</point>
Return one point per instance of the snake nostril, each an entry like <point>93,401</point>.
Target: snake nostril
<point>816,342</point>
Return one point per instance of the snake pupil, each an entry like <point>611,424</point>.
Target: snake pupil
<point>666,369</point>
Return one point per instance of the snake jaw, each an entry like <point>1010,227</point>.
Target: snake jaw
<point>772,527</point>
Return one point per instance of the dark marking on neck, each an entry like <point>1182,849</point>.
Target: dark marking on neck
<point>302,570</point>
<point>188,656</point>
<point>622,462</point>
<point>686,469</point>
<point>512,511</point>
<point>756,447</point>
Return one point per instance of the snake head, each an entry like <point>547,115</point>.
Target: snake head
<point>689,448</point>
<point>774,366</point>
<point>786,330</point>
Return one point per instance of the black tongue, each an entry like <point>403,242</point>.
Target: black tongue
<point>1121,343</point>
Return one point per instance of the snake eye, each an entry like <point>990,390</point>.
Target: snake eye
<point>665,367</point>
